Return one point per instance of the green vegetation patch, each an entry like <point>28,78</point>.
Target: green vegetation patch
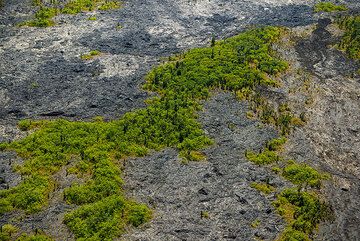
<point>92,54</point>
<point>34,237</point>
<point>169,120</point>
<point>269,154</point>
<point>303,211</point>
<point>263,187</point>
<point>77,6</point>
<point>47,11</point>
<point>106,219</point>
<point>301,208</point>
<point>7,232</point>
<point>263,157</point>
<point>350,42</point>
<point>92,18</point>
<point>303,175</point>
<point>329,7</point>
<point>43,17</point>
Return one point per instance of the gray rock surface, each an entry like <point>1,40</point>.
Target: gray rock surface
<point>42,76</point>
<point>220,186</point>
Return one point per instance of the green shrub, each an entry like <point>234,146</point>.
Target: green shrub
<point>306,209</point>
<point>29,195</point>
<point>92,54</point>
<point>263,157</point>
<point>329,7</point>
<point>204,214</point>
<point>263,187</point>
<point>46,13</point>
<point>291,234</point>
<point>43,17</point>
<point>303,175</point>
<point>255,223</point>
<point>106,219</point>
<point>77,6</point>
<point>34,237</point>
<point>7,232</point>
<point>109,5</point>
<point>350,42</point>
<point>276,144</point>
<point>24,125</point>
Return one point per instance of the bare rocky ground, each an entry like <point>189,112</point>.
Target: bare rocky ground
<point>42,76</point>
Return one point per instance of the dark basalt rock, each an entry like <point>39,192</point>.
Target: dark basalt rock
<point>43,76</point>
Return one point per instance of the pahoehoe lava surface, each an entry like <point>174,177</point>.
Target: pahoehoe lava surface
<point>220,186</point>
<point>333,129</point>
<point>42,76</point>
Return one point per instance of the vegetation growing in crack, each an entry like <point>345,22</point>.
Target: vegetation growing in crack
<point>268,155</point>
<point>350,42</point>
<point>92,54</point>
<point>239,64</point>
<point>47,11</point>
<point>329,7</point>
<point>263,187</point>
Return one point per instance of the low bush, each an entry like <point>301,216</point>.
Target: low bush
<point>92,54</point>
<point>329,7</point>
<point>350,42</point>
<point>302,210</point>
<point>263,157</point>
<point>106,219</point>
<point>269,154</point>
<point>263,187</point>
<point>303,175</point>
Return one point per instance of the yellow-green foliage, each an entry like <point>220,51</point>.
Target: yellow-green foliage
<point>30,195</point>
<point>92,18</point>
<point>205,214</point>
<point>329,7</point>
<point>291,234</point>
<point>282,118</point>
<point>44,16</point>
<point>77,6</point>
<point>303,175</point>
<point>263,187</point>
<point>302,210</point>
<point>350,42</point>
<point>169,120</point>
<point>106,219</point>
<point>34,237</point>
<point>263,157</point>
<point>91,55</point>
<point>276,144</point>
<point>256,223</point>
<point>7,232</point>
<point>269,154</point>
<point>108,5</point>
